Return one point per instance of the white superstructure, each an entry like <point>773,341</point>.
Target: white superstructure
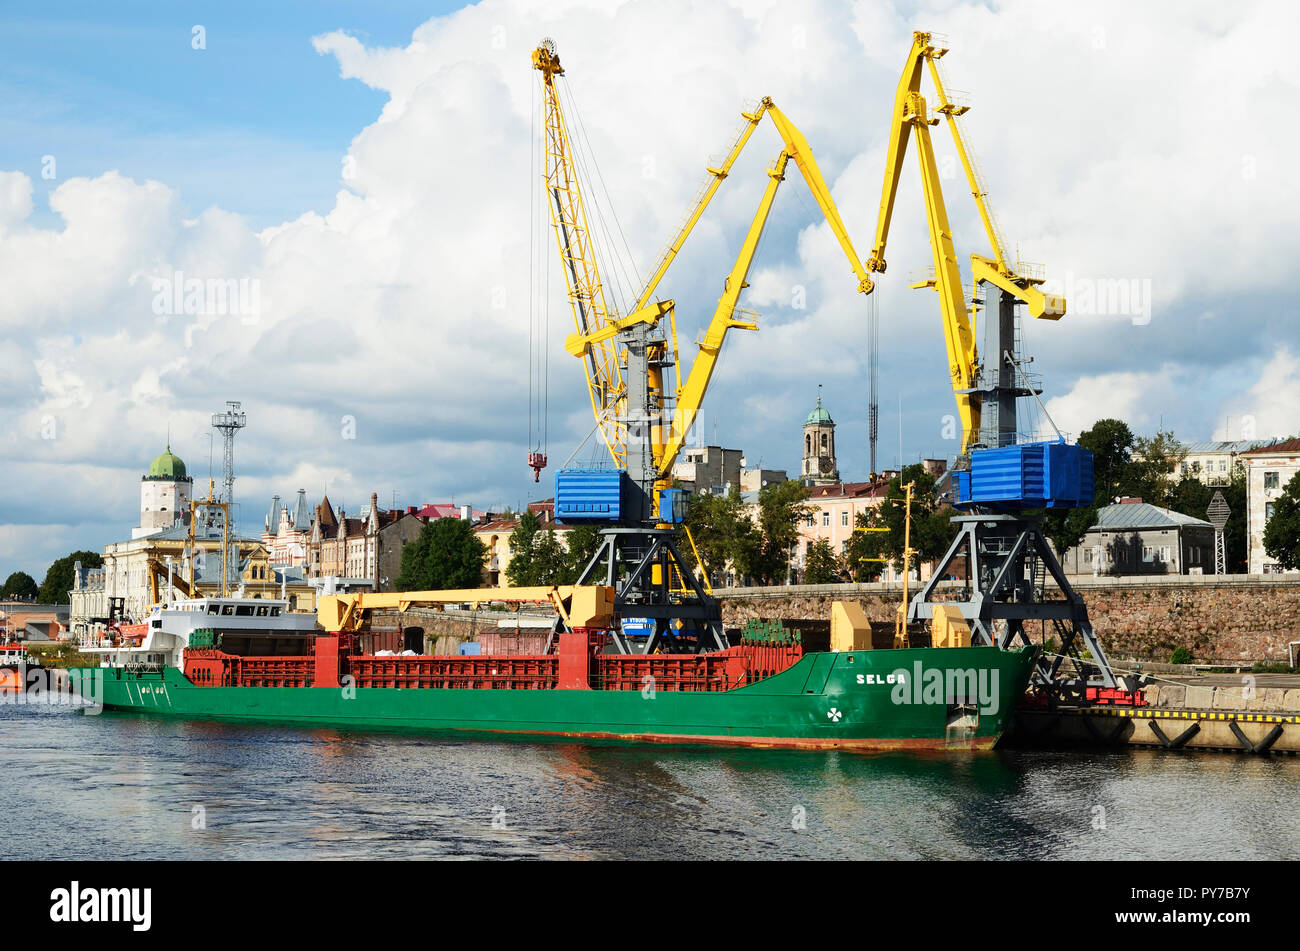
<point>169,626</point>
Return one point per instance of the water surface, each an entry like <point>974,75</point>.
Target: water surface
<point>129,786</point>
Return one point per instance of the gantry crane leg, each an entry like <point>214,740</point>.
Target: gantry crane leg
<point>640,565</point>
<point>1000,556</point>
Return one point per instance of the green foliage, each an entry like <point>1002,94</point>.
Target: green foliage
<point>19,585</point>
<point>1153,461</point>
<point>1181,655</point>
<point>1111,444</point>
<point>822,566</point>
<point>864,545</point>
<point>1282,530</point>
<point>58,580</point>
<point>1272,669</point>
<point>762,552</point>
<point>1191,496</point>
<point>582,541</point>
<point>717,523</point>
<point>1066,528</point>
<point>446,555</point>
<point>1128,466</point>
<point>932,530</point>
<point>536,555</point>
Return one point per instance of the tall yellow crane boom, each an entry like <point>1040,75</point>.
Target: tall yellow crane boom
<point>910,117</point>
<point>573,237</point>
<point>689,395</point>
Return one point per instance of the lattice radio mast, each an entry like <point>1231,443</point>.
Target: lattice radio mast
<point>229,423</point>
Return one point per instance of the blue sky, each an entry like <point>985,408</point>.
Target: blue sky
<point>381,292</point>
<point>255,122</point>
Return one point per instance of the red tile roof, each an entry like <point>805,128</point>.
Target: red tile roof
<point>855,490</point>
<point>498,525</point>
<point>445,510</point>
<point>1287,446</point>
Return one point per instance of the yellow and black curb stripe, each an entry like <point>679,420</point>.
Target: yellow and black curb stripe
<point>1148,713</point>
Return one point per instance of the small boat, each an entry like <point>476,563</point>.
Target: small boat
<point>16,666</point>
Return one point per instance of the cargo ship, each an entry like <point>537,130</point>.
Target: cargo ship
<point>253,660</point>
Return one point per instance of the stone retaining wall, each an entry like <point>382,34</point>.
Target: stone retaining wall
<point>1220,697</point>
<point>1234,618</point>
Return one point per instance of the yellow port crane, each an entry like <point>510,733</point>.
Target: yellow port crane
<point>1015,281</point>
<point>1002,549</point>
<point>602,338</point>
<point>644,418</point>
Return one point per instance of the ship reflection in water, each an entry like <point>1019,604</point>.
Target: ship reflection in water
<point>141,787</point>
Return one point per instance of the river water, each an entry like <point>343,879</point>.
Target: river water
<point>127,786</point>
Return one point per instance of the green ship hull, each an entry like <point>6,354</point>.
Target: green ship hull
<point>946,698</point>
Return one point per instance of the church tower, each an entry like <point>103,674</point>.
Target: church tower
<point>819,466</point>
<point>165,494</point>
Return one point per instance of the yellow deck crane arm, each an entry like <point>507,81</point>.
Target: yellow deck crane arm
<point>576,605</point>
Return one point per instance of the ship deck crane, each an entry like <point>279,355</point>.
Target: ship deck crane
<point>644,420</point>
<point>1000,548</point>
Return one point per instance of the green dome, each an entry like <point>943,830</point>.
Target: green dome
<point>818,415</point>
<point>167,466</point>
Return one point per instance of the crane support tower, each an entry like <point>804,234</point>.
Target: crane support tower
<point>997,481</point>
<point>642,406</point>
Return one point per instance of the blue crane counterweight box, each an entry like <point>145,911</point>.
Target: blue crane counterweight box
<point>590,495</point>
<point>1029,475</point>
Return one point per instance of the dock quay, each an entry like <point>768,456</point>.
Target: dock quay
<point>1251,713</point>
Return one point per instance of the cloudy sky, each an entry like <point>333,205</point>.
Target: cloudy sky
<point>366,174</point>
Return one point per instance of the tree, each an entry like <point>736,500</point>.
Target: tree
<point>822,567</point>
<point>19,585</point>
<point>1111,444</point>
<point>932,530</point>
<point>763,551</point>
<point>536,555</point>
<point>582,541</point>
<point>1282,528</point>
<point>716,523</point>
<point>519,572</point>
<point>447,554</point>
<point>550,560</point>
<point>865,547</point>
<point>1191,496</point>
<point>1153,461</point>
<point>58,580</point>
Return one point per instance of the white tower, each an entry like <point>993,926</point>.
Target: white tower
<point>819,466</point>
<point>165,494</point>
